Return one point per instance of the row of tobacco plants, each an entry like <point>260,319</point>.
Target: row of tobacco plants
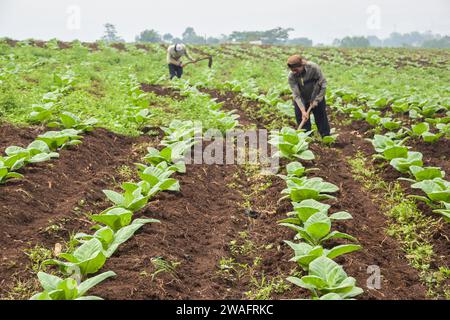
<point>391,147</point>
<point>313,223</point>
<point>46,146</point>
<point>116,225</point>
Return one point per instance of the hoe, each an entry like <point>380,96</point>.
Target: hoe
<point>209,58</point>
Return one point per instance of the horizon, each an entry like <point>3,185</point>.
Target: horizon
<point>83,20</point>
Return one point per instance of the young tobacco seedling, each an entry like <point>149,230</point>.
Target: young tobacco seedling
<point>317,229</point>
<point>299,189</point>
<point>61,139</point>
<point>327,277</point>
<point>292,144</point>
<point>306,253</point>
<point>132,199</point>
<point>87,258</point>
<point>56,288</point>
<point>111,238</point>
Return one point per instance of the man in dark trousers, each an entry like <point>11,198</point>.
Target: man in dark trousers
<point>174,54</point>
<point>308,87</point>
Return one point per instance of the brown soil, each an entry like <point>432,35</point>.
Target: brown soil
<point>11,135</point>
<point>441,235</point>
<point>161,91</point>
<point>198,223</point>
<point>434,154</point>
<point>367,226</point>
<point>232,103</point>
<point>64,45</point>
<point>196,228</point>
<point>38,43</point>
<point>30,208</point>
<point>247,109</point>
<point>143,46</point>
<point>119,46</point>
<point>11,42</point>
<point>91,45</point>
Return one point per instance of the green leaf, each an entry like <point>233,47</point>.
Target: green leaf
<point>342,215</point>
<point>339,235</point>
<point>91,282</point>
<point>318,226</point>
<point>115,197</point>
<point>342,249</point>
<point>49,282</point>
<point>116,218</point>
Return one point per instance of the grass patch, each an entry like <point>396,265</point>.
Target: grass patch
<point>408,224</point>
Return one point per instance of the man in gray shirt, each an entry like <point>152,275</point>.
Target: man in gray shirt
<point>174,54</point>
<point>308,87</point>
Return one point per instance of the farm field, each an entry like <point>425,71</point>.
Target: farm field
<point>95,202</point>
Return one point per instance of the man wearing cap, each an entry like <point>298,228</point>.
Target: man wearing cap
<point>174,54</point>
<point>308,87</point>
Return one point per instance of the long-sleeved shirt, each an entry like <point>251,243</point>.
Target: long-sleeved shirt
<point>174,57</point>
<point>308,86</point>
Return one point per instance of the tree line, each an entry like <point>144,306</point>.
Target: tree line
<point>280,36</point>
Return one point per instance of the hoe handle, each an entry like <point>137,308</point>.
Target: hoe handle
<point>302,124</point>
<point>195,61</point>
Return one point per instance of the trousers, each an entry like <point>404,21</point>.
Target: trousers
<point>320,116</point>
<point>175,71</point>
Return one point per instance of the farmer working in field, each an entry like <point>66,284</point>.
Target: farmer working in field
<point>308,87</point>
<point>174,54</point>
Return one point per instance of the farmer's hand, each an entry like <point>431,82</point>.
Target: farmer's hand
<point>305,115</point>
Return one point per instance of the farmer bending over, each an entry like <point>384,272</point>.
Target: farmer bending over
<point>308,87</point>
<point>174,54</point>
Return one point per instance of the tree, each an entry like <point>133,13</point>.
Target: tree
<point>168,37</point>
<point>149,36</point>
<point>355,42</point>
<point>375,41</point>
<point>212,40</point>
<point>304,42</point>
<point>190,36</point>
<point>336,43</point>
<point>273,36</point>
<point>277,35</point>
<point>111,34</point>
<point>442,43</point>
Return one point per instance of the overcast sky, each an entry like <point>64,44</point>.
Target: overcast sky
<point>320,20</point>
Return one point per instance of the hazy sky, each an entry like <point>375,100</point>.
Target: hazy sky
<point>320,20</point>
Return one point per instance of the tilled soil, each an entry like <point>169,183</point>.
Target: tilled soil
<point>197,224</point>
<point>12,135</point>
<point>436,157</point>
<point>367,226</point>
<point>196,227</point>
<point>161,91</point>
<point>39,209</point>
<point>434,154</point>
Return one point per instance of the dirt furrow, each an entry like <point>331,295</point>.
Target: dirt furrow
<point>39,209</point>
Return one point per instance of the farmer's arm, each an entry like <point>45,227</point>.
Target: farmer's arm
<point>296,92</point>
<point>320,86</point>
<point>188,55</point>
